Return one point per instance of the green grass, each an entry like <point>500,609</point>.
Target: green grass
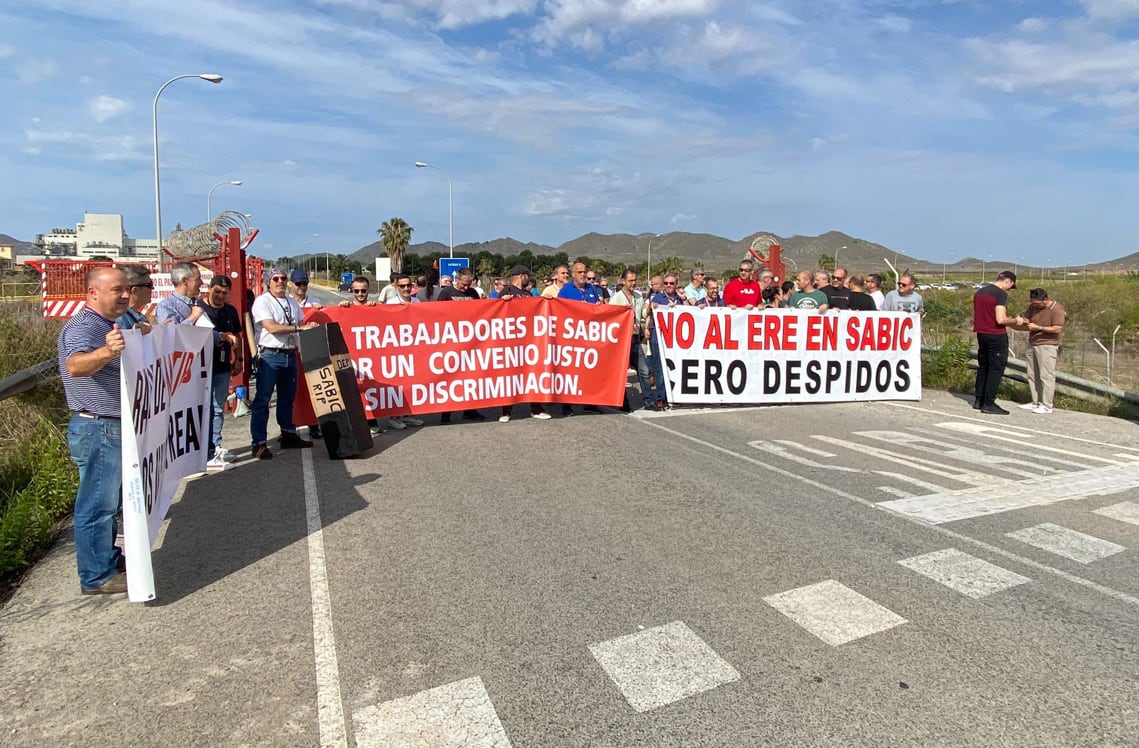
<point>37,478</point>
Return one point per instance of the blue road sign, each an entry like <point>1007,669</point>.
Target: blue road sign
<point>346,277</point>
<point>451,265</point>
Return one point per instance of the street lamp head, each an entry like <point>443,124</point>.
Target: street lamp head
<point>420,164</point>
<point>211,77</point>
<point>236,182</point>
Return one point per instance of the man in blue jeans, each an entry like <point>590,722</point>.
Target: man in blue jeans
<point>277,319</point>
<point>89,347</point>
<point>227,363</point>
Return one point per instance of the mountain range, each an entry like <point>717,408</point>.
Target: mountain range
<point>715,253</point>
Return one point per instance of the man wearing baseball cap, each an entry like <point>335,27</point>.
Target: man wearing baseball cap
<point>990,322</point>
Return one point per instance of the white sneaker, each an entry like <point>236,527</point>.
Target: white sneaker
<point>543,416</point>
<point>1042,410</point>
<point>218,463</point>
<point>225,454</point>
<point>395,423</point>
<point>1029,406</point>
<point>410,421</point>
<point>504,418</point>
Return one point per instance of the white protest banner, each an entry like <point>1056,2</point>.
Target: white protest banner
<point>165,383</point>
<point>740,356</point>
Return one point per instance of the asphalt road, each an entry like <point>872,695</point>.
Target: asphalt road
<point>856,574</point>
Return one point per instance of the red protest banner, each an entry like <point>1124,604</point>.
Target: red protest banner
<point>434,357</point>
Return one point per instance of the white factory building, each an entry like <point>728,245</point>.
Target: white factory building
<point>100,234</point>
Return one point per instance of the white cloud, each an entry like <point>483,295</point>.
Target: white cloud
<point>680,218</point>
<point>1033,25</point>
<point>7,50</point>
<point>897,24</point>
<point>104,107</point>
<point>1111,10</point>
<point>30,71</point>
<point>586,22</point>
<point>96,147</point>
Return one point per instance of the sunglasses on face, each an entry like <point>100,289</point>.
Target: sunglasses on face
<point>745,270</point>
<point>403,285</point>
<point>359,291</point>
<point>278,279</point>
<point>303,283</point>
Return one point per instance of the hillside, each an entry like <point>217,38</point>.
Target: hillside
<point>707,250</point>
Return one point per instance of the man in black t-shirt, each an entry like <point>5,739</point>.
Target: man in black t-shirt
<point>227,362</point>
<point>860,301</point>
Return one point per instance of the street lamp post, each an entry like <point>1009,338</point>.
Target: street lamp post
<point>450,204</point>
<point>649,258</point>
<point>836,256</point>
<point>210,194</point>
<point>209,77</point>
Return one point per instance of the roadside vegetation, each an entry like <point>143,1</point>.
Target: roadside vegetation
<point>37,477</point>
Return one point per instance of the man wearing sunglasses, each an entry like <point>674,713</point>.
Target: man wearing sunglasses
<point>360,289</point>
<point>300,290</point>
<point>277,318</point>
<point>743,292</point>
<point>227,363</point>
<point>904,298</point>
<point>141,289</point>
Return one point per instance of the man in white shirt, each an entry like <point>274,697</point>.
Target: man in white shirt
<point>277,318</point>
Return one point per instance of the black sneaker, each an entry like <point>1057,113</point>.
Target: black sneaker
<point>314,432</point>
<point>977,405</point>
<point>994,410</point>
<point>292,440</point>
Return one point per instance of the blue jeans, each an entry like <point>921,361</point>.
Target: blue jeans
<point>658,368</point>
<point>219,388</point>
<point>96,448</point>
<point>638,361</point>
<point>276,371</point>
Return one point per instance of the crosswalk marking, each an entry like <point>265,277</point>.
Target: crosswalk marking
<point>980,501</point>
<point>994,434</point>
<point>911,462</point>
<point>969,575</point>
<point>782,448</point>
<point>661,665</point>
<point>910,440</point>
<point>1067,543</point>
<point>833,612</point>
<point>1126,511</point>
<point>897,492</point>
<point>902,478</point>
<point>457,714</point>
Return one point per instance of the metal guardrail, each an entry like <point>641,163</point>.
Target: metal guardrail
<point>26,379</point>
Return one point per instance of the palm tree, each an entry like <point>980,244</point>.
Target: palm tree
<point>395,235</point>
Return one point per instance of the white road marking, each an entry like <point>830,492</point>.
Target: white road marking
<point>458,714</point>
<point>1067,543</point>
<point>895,492</point>
<point>1024,443</point>
<point>330,708</point>
<point>917,463</point>
<point>958,538</point>
<point>986,424</point>
<point>662,665</point>
<point>778,449</point>
<point>911,480</point>
<point>969,575</point>
<point>805,448</point>
<point>834,612</point>
<point>1125,511</point>
<point>952,506</point>
<point>160,538</point>
<point>942,448</point>
<point>1001,442</point>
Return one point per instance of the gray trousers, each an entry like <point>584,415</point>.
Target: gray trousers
<point>1041,366</point>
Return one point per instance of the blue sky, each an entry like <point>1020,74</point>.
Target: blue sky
<point>939,128</point>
